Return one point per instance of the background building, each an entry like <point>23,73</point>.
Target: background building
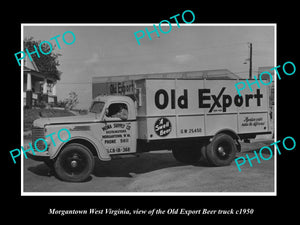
<point>38,88</point>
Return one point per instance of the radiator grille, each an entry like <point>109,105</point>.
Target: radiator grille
<point>37,133</point>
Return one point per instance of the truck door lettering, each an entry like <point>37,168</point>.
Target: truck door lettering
<point>106,127</point>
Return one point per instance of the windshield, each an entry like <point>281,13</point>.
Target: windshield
<point>97,107</point>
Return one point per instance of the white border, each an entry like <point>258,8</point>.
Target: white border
<point>152,193</point>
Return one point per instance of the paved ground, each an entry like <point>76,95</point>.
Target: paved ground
<point>159,172</point>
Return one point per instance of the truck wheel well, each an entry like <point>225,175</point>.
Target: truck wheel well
<point>230,133</point>
<point>86,143</point>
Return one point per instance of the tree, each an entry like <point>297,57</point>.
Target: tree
<point>71,101</point>
<point>47,64</point>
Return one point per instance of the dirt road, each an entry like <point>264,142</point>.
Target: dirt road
<point>159,172</point>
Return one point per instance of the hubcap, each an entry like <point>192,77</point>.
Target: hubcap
<point>221,150</point>
<point>74,163</point>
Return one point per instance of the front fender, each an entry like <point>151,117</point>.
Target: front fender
<point>79,135</point>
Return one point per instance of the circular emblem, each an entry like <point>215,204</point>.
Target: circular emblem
<point>162,127</point>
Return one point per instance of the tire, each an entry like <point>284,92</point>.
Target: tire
<point>187,156</point>
<point>221,151</point>
<point>203,152</point>
<point>75,163</point>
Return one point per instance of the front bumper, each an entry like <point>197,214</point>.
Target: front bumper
<point>38,156</point>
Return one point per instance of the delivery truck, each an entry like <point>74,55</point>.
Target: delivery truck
<point>192,117</point>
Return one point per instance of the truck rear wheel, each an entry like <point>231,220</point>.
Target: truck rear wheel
<point>221,150</point>
<point>187,156</point>
<point>74,163</point>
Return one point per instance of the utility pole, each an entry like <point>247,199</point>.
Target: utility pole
<point>250,62</point>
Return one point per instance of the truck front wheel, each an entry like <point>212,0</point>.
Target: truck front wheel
<point>221,150</point>
<point>74,163</point>
<point>187,155</point>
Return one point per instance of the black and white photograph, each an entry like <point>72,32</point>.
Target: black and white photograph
<point>141,111</point>
<point>148,109</point>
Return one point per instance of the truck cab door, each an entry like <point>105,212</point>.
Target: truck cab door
<point>119,128</point>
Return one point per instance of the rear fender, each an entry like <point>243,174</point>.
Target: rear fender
<point>229,132</point>
<point>234,136</point>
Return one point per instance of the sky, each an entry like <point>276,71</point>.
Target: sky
<point>110,49</point>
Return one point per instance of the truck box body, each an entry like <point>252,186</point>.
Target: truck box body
<point>193,108</point>
<point>183,108</point>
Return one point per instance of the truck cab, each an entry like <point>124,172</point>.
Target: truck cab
<point>109,128</point>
